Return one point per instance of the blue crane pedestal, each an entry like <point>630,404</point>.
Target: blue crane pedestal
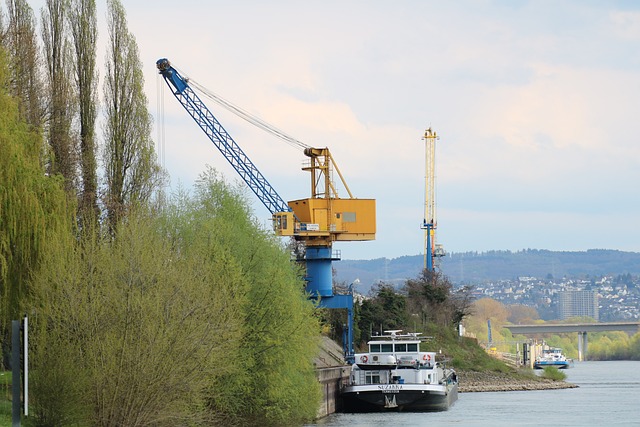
<point>320,286</point>
<point>319,274</point>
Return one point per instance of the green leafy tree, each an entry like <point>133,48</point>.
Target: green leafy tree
<point>611,345</point>
<point>385,309</point>
<point>187,315</point>
<point>431,297</point>
<point>132,173</point>
<point>32,205</point>
<point>84,31</point>
<point>634,347</point>
<point>486,309</point>
<point>521,314</point>
<point>21,42</point>
<point>281,331</point>
<point>131,331</point>
<point>60,96</point>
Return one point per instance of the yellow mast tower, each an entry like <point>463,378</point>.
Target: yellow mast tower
<point>429,224</point>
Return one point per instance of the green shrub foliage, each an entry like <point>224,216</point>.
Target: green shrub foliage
<point>553,373</point>
<point>190,315</point>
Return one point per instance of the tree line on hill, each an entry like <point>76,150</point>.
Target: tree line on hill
<point>496,265</point>
<point>479,267</point>
<point>144,308</point>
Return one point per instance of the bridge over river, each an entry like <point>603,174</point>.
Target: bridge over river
<point>580,328</point>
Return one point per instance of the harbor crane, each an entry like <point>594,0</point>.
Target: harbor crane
<point>429,223</point>
<point>315,222</point>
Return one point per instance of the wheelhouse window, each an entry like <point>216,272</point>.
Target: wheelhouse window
<point>390,348</point>
<point>371,377</point>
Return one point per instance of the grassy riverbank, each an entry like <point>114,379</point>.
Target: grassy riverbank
<point>5,401</point>
<point>463,353</point>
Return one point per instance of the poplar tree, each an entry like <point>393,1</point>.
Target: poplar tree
<point>57,51</point>
<point>82,20</point>
<point>19,38</point>
<point>132,173</point>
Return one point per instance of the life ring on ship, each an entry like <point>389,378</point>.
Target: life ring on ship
<point>364,359</point>
<point>426,357</point>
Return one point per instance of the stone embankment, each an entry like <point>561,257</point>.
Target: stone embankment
<point>471,381</point>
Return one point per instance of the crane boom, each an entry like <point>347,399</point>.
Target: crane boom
<point>222,140</point>
<point>317,221</point>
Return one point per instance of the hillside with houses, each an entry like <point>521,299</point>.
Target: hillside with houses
<point>530,277</point>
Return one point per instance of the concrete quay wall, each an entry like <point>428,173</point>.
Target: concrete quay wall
<point>331,380</point>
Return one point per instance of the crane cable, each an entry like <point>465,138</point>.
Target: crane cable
<point>245,115</point>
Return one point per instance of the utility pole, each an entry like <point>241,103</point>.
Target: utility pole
<point>19,375</point>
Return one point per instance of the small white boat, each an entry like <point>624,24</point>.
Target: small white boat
<point>395,375</point>
<point>552,356</point>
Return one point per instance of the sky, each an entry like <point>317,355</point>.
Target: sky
<point>536,104</point>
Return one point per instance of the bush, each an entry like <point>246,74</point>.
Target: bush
<point>190,315</point>
<point>553,373</point>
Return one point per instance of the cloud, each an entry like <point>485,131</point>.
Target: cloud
<point>626,24</point>
<point>535,103</point>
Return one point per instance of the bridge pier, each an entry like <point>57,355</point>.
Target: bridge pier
<point>582,346</point>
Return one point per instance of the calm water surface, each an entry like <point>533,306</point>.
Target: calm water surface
<point>608,395</point>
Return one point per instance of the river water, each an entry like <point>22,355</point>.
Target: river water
<point>608,395</point>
